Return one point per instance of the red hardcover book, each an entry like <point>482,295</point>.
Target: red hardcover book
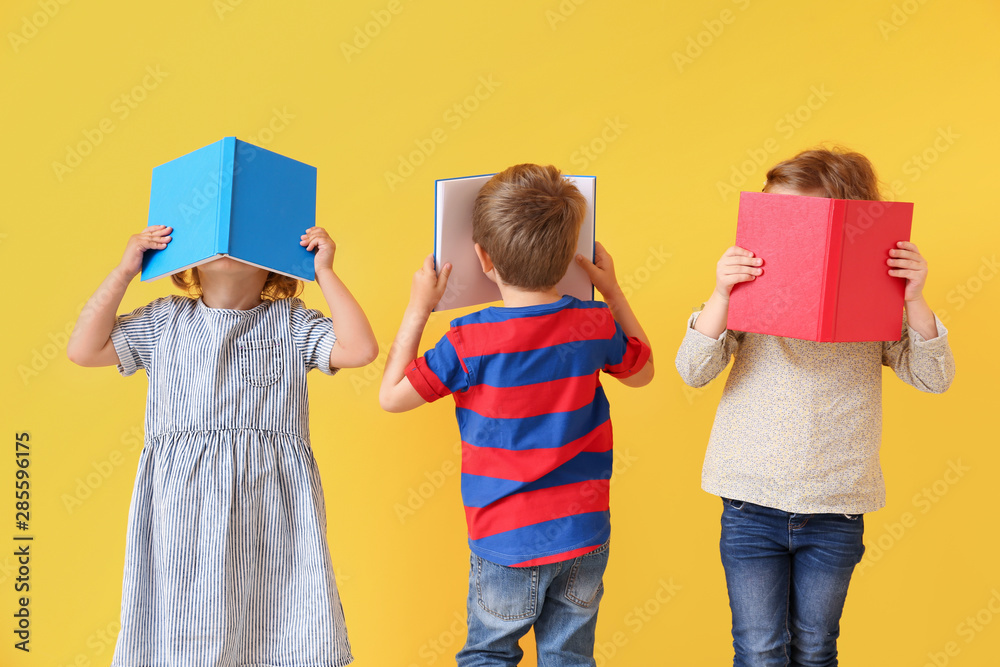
<point>824,276</point>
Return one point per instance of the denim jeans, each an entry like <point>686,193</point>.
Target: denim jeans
<point>787,576</point>
<point>559,599</point>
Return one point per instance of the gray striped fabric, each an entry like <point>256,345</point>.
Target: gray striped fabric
<point>226,558</point>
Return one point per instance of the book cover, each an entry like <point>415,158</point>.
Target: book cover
<point>824,276</point>
<point>233,199</point>
<point>454,201</point>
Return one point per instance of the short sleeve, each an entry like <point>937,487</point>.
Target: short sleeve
<point>439,372</point>
<point>627,355</point>
<point>135,335</point>
<point>313,335</point>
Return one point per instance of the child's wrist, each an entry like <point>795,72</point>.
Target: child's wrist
<point>721,296</point>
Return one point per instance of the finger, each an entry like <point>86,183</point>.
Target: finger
<point>906,273</point>
<point>443,277</point>
<point>906,245</point>
<point>735,251</point>
<point>743,271</point>
<point>742,261</point>
<point>905,264</point>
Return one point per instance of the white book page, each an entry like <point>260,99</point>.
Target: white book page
<point>468,285</point>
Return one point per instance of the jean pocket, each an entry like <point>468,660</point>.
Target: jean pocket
<point>260,361</point>
<point>509,593</point>
<point>586,578</point>
<point>735,504</point>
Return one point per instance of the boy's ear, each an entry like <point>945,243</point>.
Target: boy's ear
<point>484,259</point>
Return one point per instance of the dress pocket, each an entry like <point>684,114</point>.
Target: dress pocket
<point>260,361</point>
<point>509,593</point>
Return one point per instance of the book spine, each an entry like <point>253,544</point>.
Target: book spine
<point>831,271</point>
<point>227,175</point>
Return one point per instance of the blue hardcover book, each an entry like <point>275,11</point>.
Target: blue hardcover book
<point>454,200</point>
<point>233,199</point>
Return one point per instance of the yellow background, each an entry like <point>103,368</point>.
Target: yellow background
<point>669,98</point>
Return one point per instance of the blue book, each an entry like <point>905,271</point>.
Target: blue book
<point>233,199</point>
<point>454,200</point>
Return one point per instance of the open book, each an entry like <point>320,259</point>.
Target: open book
<point>825,276</point>
<point>233,198</point>
<point>468,286</point>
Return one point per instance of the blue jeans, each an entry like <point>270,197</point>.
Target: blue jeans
<point>787,576</point>
<point>559,599</point>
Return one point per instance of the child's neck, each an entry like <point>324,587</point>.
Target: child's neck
<point>515,297</point>
<point>230,292</point>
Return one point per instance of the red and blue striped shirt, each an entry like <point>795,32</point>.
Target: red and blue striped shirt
<point>535,424</point>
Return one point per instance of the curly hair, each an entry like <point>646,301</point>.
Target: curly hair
<point>841,173</point>
<point>277,286</point>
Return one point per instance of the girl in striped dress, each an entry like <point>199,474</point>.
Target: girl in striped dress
<point>226,555</point>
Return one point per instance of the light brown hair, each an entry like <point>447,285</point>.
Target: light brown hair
<point>527,219</point>
<point>841,173</point>
<point>277,286</point>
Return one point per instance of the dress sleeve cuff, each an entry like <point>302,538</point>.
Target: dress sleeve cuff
<point>128,362</point>
<point>939,342</point>
<point>323,351</point>
<point>698,338</point>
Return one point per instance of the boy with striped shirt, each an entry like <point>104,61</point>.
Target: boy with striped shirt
<point>534,420</point>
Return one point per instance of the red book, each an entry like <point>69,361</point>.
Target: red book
<point>824,276</point>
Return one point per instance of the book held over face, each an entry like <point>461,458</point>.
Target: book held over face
<point>233,199</point>
<point>825,276</point>
<point>454,201</point>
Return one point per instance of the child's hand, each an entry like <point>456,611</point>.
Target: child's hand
<point>736,266</point>
<point>428,287</point>
<point>907,262</point>
<point>154,237</point>
<point>601,272</point>
<point>317,239</point>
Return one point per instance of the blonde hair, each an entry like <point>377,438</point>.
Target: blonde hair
<point>277,286</point>
<point>527,219</point>
<point>840,173</point>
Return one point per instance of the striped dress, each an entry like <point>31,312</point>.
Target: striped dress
<point>226,556</point>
